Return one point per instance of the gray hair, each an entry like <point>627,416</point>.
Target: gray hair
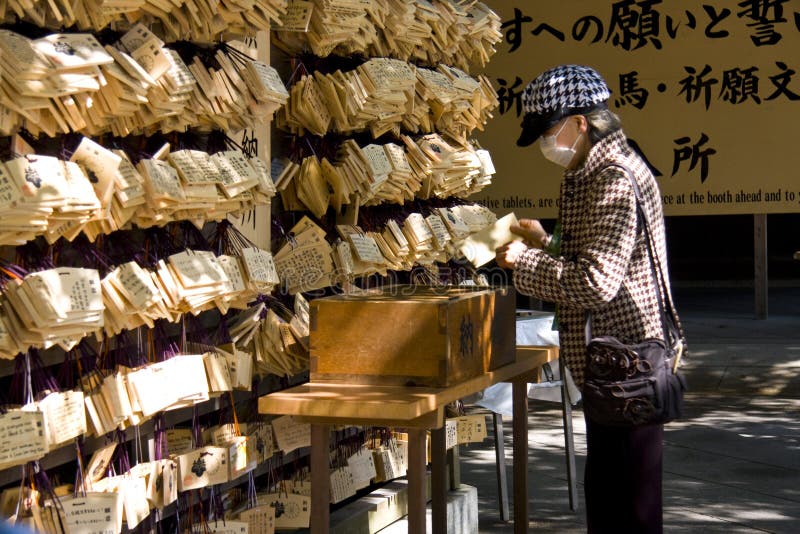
<point>602,122</point>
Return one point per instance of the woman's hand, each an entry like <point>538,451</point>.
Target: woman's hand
<point>532,232</point>
<point>508,254</point>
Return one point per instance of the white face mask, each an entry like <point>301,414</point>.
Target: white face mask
<point>560,155</point>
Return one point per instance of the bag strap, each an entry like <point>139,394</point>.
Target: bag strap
<point>668,316</point>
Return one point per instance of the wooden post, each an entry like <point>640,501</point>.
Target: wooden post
<point>257,225</point>
<point>761,279</point>
<point>454,468</point>
<point>500,461</point>
<point>438,480</point>
<point>519,396</point>
<point>320,474</point>
<point>416,480</point>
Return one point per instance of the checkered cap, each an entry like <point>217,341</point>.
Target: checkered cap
<point>557,93</point>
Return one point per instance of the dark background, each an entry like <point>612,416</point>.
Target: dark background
<point>720,248</point>
<point>711,264</point>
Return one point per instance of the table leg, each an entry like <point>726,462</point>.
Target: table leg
<point>416,479</point>
<point>439,479</point>
<point>519,394</point>
<point>320,475</point>
<point>500,462</point>
<point>454,467</point>
<point>569,440</point>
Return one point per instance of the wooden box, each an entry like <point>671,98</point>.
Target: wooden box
<point>412,335</point>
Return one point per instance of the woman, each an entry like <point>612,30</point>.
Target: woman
<point>596,262</point>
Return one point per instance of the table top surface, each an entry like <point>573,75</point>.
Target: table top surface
<point>338,401</point>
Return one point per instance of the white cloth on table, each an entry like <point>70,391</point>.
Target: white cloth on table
<point>536,328</point>
<point>533,328</point>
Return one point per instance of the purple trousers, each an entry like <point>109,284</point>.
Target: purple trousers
<point>622,480</point>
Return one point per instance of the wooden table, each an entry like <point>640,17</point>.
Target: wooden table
<point>416,409</point>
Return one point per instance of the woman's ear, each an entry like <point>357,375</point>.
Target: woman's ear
<point>583,124</point>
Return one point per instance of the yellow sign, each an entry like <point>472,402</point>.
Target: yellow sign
<point>709,92</point>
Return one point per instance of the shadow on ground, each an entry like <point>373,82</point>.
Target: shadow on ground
<point>732,465</point>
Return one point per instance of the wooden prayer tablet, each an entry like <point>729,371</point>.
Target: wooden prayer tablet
<point>62,306</point>
<point>54,307</point>
<point>195,20</point>
<point>100,191</point>
<point>463,34</point>
<point>22,437</point>
<point>387,95</point>
<point>423,167</point>
<point>479,248</point>
<point>312,190</point>
<point>275,348</point>
<point>65,83</point>
<point>72,51</point>
<point>305,261</point>
<point>475,216</point>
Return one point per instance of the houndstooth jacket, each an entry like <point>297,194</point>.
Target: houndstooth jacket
<point>603,266</point>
